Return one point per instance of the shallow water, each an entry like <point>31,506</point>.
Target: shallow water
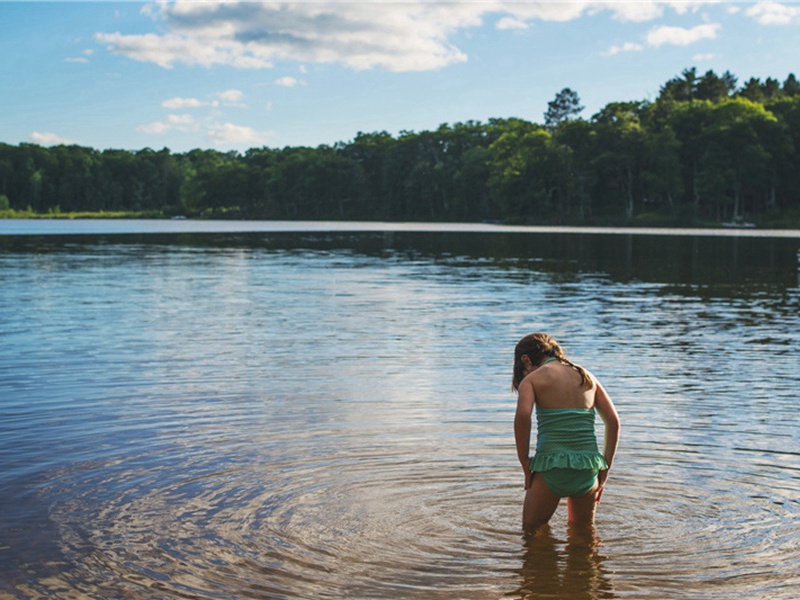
<point>328,415</point>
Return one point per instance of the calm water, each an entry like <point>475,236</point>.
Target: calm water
<point>312,414</point>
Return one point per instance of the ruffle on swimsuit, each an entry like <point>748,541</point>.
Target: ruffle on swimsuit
<point>568,460</point>
<point>566,439</point>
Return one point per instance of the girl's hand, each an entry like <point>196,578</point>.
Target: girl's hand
<point>528,477</point>
<point>601,480</point>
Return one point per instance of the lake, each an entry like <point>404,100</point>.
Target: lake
<point>196,409</point>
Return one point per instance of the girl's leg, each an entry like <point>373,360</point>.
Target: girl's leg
<point>581,510</point>
<point>540,503</point>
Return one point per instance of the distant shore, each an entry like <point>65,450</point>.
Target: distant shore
<point>27,214</point>
<point>113,226</point>
<point>788,222</point>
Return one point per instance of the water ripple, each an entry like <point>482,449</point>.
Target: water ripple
<point>252,421</point>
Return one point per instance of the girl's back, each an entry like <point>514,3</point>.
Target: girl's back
<point>558,385</point>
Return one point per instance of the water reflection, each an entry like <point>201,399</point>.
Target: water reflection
<point>557,569</point>
<point>717,263</point>
<point>328,415</point>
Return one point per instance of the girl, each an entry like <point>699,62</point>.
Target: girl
<point>567,462</point>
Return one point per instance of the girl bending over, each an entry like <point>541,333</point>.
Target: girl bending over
<point>567,463</point>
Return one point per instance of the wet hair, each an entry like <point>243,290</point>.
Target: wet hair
<point>538,347</point>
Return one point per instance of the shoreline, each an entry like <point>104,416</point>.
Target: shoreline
<point>121,225</point>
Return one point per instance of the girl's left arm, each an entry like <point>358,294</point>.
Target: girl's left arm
<point>522,426</point>
<point>608,412</point>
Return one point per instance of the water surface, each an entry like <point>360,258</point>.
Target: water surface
<point>327,414</point>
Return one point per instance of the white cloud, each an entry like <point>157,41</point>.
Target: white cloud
<point>703,57</point>
<point>637,12</point>
<point>181,120</point>
<point>361,35</point>
<point>182,123</point>
<point>80,59</point>
<point>675,36</point>
<point>626,47</point>
<point>230,96</point>
<point>542,11</point>
<point>178,103</point>
<point>49,139</point>
<point>678,36</point>
<point>413,35</point>
<point>511,23</point>
<point>774,13</point>
<point>228,134</point>
<point>288,82</point>
<point>682,7</point>
<point>154,128</point>
<point>227,97</point>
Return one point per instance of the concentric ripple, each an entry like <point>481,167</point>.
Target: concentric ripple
<point>237,419</point>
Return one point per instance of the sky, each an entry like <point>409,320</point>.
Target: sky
<point>236,75</point>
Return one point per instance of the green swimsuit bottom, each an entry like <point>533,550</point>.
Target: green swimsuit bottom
<point>566,450</point>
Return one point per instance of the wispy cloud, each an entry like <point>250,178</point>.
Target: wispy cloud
<point>49,139</point>
<point>289,82</point>
<point>414,35</point>
<point>231,97</point>
<point>179,103</point>
<point>667,35</point>
<point>774,13</point>
<point>226,98</point>
<point>511,23</point>
<point>80,59</point>
<point>228,134</point>
<point>206,122</point>
<point>626,47</point>
<point>679,36</point>
<point>182,123</point>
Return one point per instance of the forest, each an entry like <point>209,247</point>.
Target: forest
<point>706,151</point>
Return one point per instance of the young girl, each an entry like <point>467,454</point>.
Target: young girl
<point>567,462</point>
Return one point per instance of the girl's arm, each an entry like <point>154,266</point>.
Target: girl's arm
<point>605,407</point>
<point>522,426</point>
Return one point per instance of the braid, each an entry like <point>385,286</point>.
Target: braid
<point>538,347</point>
<point>585,379</point>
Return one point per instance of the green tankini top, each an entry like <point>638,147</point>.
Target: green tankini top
<point>565,439</point>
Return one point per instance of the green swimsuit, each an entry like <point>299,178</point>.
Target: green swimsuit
<point>566,450</point>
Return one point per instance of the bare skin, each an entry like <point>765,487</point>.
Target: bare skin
<point>558,385</point>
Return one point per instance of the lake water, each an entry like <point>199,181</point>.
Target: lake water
<point>308,411</point>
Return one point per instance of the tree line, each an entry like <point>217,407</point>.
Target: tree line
<point>707,150</point>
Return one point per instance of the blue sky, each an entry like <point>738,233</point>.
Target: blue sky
<point>236,75</point>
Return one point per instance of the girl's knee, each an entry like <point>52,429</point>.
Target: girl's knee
<point>530,527</point>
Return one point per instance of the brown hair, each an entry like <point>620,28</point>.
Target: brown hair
<point>538,347</point>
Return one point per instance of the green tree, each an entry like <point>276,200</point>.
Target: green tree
<point>681,89</point>
<point>521,171</point>
<point>577,144</point>
<point>714,88</point>
<point>791,87</point>
<point>737,167</point>
<point>564,107</point>
<point>618,163</point>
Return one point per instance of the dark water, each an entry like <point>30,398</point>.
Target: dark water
<point>327,414</point>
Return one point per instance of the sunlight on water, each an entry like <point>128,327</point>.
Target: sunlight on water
<point>329,415</point>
